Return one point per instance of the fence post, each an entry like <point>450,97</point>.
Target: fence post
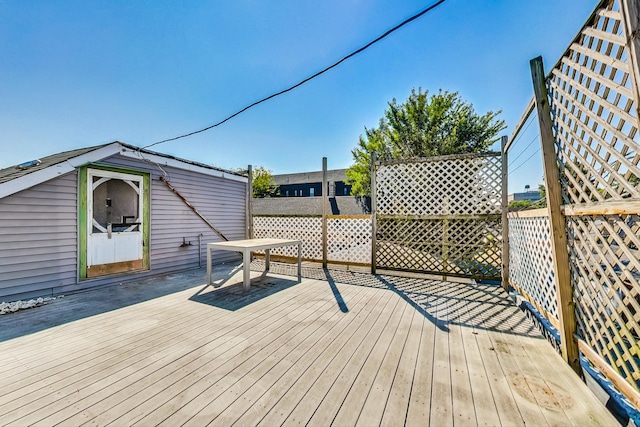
<point>249,231</point>
<point>505,217</point>
<point>564,293</point>
<point>374,228</point>
<point>325,201</point>
<point>630,11</point>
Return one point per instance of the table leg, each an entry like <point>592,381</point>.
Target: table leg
<point>266,259</point>
<point>246,263</point>
<point>299,262</point>
<point>208,265</point>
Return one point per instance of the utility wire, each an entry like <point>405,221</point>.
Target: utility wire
<point>530,120</point>
<point>402,24</point>
<point>525,161</point>
<point>524,149</point>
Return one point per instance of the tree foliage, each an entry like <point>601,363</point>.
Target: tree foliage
<point>264,185</point>
<point>423,126</point>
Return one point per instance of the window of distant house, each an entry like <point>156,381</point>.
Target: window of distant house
<point>346,191</point>
<point>295,192</point>
<point>301,192</point>
<point>287,193</point>
<point>312,192</point>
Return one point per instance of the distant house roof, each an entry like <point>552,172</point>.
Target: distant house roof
<point>20,177</point>
<point>310,177</point>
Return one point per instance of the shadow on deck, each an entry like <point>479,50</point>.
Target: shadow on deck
<point>339,348</point>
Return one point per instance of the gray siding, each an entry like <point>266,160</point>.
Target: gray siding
<point>38,238</point>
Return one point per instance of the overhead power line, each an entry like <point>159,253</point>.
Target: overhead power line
<point>355,52</point>
<point>524,149</point>
<point>521,132</point>
<point>524,162</point>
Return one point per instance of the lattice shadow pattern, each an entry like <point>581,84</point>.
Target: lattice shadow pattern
<point>477,305</point>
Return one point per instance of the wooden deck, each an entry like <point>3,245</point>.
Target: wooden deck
<point>337,349</point>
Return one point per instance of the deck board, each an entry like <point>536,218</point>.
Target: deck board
<point>327,409</point>
<point>320,375</point>
<point>441,412</point>
<point>361,350</point>
<point>375,403</point>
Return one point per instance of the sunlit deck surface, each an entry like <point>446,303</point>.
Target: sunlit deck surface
<point>340,348</point>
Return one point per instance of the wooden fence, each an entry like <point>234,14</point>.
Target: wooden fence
<point>592,113</point>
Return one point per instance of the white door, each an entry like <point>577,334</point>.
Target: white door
<point>115,206</point>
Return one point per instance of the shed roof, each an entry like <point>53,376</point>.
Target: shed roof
<point>16,178</point>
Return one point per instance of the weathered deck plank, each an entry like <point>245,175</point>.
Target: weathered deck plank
<point>441,413</point>
<point>397,404</point>
<point>129,371</point>
<point>355,399</point>
<point>406,351</point>
<point>198,378</point>
<point>332,401</point>
<point>319,377</point>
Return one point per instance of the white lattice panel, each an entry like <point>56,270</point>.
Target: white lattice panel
<point>349,240</point>
<point>531,261</point>
<point>306,229</point>
<point>594,115</point>
<point>441,215</point>
<point>451,186</point>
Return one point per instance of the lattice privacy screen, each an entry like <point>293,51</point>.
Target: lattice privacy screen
<point>531,262</point>
<point>452,185</point>
<point>306,229</point>
<point>598,148</point>
<point>441,215</point>
<point>606,269</point>
<point>348,238</point>
<point>594,116</point>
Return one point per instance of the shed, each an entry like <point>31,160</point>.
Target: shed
<point>100,215</point>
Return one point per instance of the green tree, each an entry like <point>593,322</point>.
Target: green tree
<point>423,126</point>
<point>518,205</point>
<point>542,203</point>
<point>264,185</point>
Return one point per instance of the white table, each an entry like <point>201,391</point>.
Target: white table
<point>252,245</point>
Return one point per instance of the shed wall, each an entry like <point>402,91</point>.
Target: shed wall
<point>38,238</point>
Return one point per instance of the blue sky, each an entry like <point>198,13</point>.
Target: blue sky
<point>78,73</point>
